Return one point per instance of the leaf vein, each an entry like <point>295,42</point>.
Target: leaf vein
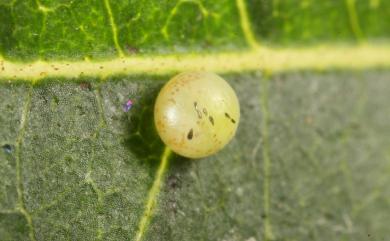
<point>245,24</point>
<point>354,19</point>
<point>152,196</point>
<point>266,161</point>
<point>113,27</point>
<point>19,179</point>
<point>332,57</point>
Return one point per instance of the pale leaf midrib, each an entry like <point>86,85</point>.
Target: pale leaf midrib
<point>364,56</point>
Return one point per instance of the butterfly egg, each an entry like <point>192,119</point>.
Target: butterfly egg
<point>196,114</point>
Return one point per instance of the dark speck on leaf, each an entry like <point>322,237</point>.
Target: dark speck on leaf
<point>85,86</point>
<point>132,50</point>
<point>173,181</point>
<point>7,148</point>
<point>56,100</point>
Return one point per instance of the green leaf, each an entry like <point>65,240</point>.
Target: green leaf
<point>100,28</point>
<point>96,29</point>
<point>311,158</point>
<point>307,21</point>
<point>310,162</point>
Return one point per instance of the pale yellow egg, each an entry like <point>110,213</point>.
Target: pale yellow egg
<point>196,114</point>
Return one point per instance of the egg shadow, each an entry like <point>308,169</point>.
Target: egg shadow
<point>142,137</point>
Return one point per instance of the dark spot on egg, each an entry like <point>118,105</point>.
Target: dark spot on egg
<point>190,134</point>
<point>211,119</point>
<point>197,111</point>
<point>230,118</point>
<point>199,114</point>
<point>205,111</point>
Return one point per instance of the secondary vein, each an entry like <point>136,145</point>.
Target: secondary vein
<point>113,28</point>
<point>245,24</point>
<point>266,162</point>
<point>152,196</point>
<point>19,176</point>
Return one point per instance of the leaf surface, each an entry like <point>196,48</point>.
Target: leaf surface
<point>310,160</point>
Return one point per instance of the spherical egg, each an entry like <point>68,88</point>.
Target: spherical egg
<point>196,114</point>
